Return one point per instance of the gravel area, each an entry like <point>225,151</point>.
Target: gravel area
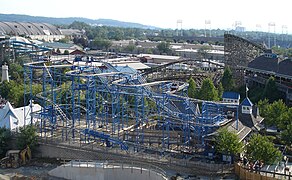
<point>36,169</point>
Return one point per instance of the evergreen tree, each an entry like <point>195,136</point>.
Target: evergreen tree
<point>227,80</point>
<point>208,91</point>
<point>220,90</point>
<point>192,89</point>
<point>271,92</point>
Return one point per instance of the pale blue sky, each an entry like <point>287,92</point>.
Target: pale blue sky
<point>164,13</point>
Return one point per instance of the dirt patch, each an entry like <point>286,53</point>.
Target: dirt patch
<point>35,169</point>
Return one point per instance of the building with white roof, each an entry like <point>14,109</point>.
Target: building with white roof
<point>159,59</point>
<point>213,54</point>
<point>13,119</point>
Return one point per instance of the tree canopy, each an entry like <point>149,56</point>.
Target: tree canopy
<point>5,137</point>
<point>163,47</point>
<point>208,91</point>
<point>228,143</point>
<point>192,89</point>
<point>27,137</point>
<point>274,114</point>
<point>227,80</point>
<point>100,43</point>
<point>260,148</point>
<point>271,92</point>
<point>279,115</point>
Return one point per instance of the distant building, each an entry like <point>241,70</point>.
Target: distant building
<point>159,59</point>
<point>217,55</point>
<point>73,33</point>
<point>266,65</point>
<point>62,46</point>
<point>39,31</point>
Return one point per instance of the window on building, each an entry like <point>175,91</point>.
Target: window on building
<point>15,26</point>
<point>42,26</point>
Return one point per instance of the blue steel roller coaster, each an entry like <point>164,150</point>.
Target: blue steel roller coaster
<point>118,108</point>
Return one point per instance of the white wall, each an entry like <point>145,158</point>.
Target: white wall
<point>107,173</point>
<point>246,109</point>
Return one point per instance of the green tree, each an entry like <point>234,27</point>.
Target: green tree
<point>130,48</point>
<point>263,107</point>
<point>285,119</point>
<point>102,43</point>
<point>66,52</point>
<point>12,91</point>
<point>208,91</point>
<point>271,92</point>
<point>27,137</point>
<point>5,137</point>
<point>79,25</point>
<point>286,135</point>
<point>16,72</point>
<point>260,148</point>
<point>227,80</point>
<point>192,89</point>
<point>228,142</point>
<point>275,112</point>
<point>220,90</point>
<point>163,47</point>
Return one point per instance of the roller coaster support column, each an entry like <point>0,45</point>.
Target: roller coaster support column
<point>91,102</point>
<point>28,75</point>
<point>115,97</point>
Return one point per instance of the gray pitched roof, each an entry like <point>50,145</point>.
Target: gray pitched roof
<point>272,63</point>
<point>28,28</point>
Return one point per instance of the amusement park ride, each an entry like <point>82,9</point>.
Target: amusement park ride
<point>100,103</point>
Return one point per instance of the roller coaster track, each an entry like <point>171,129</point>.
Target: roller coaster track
<point>158,68</point>
<point>239,52</point>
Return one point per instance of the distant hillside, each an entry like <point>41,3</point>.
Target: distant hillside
<point>50,20</point>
